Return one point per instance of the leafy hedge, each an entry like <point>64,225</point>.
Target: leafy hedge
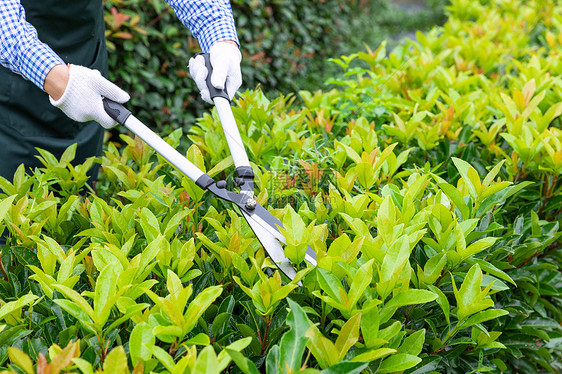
<point>428,185</point>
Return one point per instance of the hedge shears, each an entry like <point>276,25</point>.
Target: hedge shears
<point>264,225</point>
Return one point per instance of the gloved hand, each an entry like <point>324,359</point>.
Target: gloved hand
<point>225,59</point>
<point>82,98</point>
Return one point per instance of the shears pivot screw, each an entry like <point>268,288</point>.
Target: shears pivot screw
<point>251,204</point>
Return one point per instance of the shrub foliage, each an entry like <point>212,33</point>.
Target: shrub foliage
<point>427,183</point>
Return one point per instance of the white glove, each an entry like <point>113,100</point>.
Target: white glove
<point>82,98</point>
<point>225,60</point>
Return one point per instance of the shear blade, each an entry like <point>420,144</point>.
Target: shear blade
<point>271,244</point>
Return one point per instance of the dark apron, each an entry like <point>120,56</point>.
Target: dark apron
<point>75,30</point>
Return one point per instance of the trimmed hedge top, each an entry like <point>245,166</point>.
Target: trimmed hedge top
<point>427,183</point>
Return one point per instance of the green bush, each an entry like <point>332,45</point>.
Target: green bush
<point>428,185</point>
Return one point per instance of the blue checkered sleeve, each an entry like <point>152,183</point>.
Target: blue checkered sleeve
<point>208,20</point>
<point>20,49</point>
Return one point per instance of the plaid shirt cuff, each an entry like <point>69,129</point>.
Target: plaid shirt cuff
<point>221,29</point>
<point>39,60</point>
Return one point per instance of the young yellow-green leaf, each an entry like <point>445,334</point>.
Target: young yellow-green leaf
<point>374,354</point>
<point>477,247</point>
<point>396,257</point>
<point>207,362</point>
<point>470,176</point>
<point>411,297</point>
<point>221,166</point>
<point>348,336</point>
<point>84,366</point>
<point>360,282</point>
<point>294,226</point>
<point>105,290</point>
<point>140,342</point>
<point>224,357</point>
<point>12,306</point>
<point>196,157</point>
<point>199,305</point>
<point>454,194</point>
<point>163,357</point>
<point>492,174</point>
<point>173,284</point>
<point>116,361</point>
<point>21,359</point>
<point>489,268</point>
<point>470,298</point>
<point>5,204</point>
<point>433,268</point>
<point>149,224</point>
<point>370,322</point>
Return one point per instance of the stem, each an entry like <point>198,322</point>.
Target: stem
<point>263,342</point>
<point>2,268</point>
<point>103,350</point>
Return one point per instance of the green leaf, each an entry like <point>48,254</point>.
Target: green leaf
<point>395,258</point>
<point>398,362</point>
<point>433,268</point>
<point>484,316</point>
<point>243,363</point>
<point>370,322</point>
<point>237,346</point>
<point>12,306</point>
<point>5,204</point>
<point>374,354</point>
<point>443,302</point>
<point>84,366</point>
<point>411,297</point>
<point>140,342</point>
<point>199,305</point>
<point>163,357</point>
<point>199,339</point>
<point>207,362</point>
<point>470,176</point>
<point>489,268</point>
<point>348,336</point>
<point>360,282</point>
<point>74,310</point>
<point>346,367</point>
<point>272,364</point>
<point>329,283</point>
<point>413,344</point>
<point>116,361</point>
<point>104,292</point>
<point>469,292</point>
<point>149,224</point>
<point>294,226</point>
<point>293,342</point>
<point>21,359</point>
<point>221,166</point>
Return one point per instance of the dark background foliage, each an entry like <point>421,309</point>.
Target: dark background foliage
<point>286,46</point>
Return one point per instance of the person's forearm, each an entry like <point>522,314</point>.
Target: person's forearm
<point>20,49</point>
<point>56,81</point>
